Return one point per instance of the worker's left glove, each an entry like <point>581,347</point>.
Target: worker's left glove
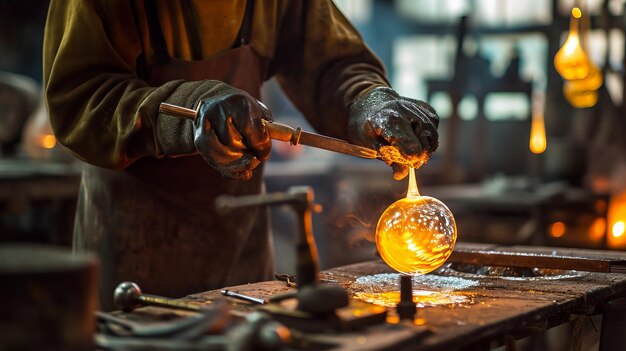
<point>381,117</point>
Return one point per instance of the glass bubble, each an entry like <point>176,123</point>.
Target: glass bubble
<point>416,234</point>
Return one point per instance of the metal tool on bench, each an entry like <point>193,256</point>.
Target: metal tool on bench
<point>318,306</point>
<point>256,331</point>
<point>256,300</point>
<point>128,296</point>
<point>312,297</point>
<point>286,133</point>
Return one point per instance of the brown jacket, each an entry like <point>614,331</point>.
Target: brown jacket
<point>97,51</point>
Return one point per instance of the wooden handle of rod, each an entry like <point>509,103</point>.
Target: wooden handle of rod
<point>277,131</point>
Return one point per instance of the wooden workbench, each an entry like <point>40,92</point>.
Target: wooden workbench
<point>496,307</point>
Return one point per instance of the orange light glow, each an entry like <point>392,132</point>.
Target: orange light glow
<point>416,235</point>
<point>582,77</point>
<point>571,61</point>
<point>47,141</point>
<point>557,229</point>
<point>537,141</point>
<point>617,219</point>
<point>597,229</point>
<point>618,229</point>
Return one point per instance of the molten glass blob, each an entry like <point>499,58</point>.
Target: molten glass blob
<point>416,235</point>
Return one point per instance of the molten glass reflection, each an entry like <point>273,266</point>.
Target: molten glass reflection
<point>416,235</point>
<point>422,298</point>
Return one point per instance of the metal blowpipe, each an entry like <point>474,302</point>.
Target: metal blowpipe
<point>282,132</point>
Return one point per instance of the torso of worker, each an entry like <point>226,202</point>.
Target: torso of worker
<point>148,213</point>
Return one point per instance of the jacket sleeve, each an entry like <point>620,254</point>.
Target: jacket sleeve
<point>99,108</point>
<point>323,65</point>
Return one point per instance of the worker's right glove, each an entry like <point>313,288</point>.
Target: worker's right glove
<point>228,131</point>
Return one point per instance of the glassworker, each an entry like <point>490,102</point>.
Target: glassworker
<point>146,202</point>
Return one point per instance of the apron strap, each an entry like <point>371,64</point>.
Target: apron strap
<point>159,46</point>
<point>193,34</point>
<point>161,55</point>
<point>245,31</point>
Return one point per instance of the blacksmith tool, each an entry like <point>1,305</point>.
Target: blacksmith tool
<point>312,297</point>
<point>243,297</point>
<point>316,307</point>
<point>286,133</point>
<point>255,332</point>
<point>256,300</point>
<point>128,296</point>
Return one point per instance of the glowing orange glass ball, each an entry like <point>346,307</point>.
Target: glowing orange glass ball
<point>416,235</point>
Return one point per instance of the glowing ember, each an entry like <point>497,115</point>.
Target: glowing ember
<point>416,235</point>
<point>390,155</point>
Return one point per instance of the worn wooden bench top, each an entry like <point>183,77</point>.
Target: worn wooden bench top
<point>490,307</point>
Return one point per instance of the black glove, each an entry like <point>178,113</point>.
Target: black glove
<point>381,118</point>
<point>229,134</point>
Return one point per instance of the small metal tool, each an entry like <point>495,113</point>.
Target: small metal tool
<point>244,297</point>
<point>282,132</point>
<point>128,296</point>
<point>275,298</point>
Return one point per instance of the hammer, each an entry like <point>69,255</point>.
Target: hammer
<point>127,296</point>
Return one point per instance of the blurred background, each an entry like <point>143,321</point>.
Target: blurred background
<point>529,154</point>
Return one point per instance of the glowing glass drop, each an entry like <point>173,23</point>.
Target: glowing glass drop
<point>416,235</point>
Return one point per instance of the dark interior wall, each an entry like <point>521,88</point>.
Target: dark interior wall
<point>21,36</point>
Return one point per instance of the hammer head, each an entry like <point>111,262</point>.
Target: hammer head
<point>126,296</point>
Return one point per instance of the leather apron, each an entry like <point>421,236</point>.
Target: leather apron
<point>154,223</point>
